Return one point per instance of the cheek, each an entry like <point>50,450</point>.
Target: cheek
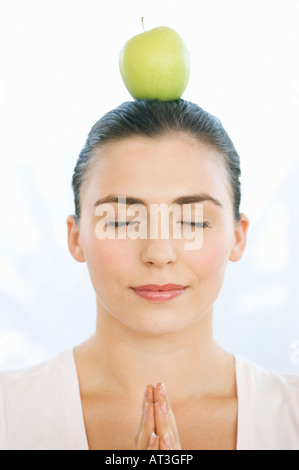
<point>211,260</point>
<point>107,262</point>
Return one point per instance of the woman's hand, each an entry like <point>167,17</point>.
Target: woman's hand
<point>166,427</point>
<point>145,437</point>
<point>156,428</point>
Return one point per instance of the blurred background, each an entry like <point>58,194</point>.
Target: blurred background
<point>59,74</point>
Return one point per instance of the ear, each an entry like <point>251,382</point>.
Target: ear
<point>73,239</point>
<point>238,248</point>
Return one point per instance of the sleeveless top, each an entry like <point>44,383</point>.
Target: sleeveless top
<point>40,408</point>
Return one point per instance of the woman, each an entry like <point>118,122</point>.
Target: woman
<point>152,376</point>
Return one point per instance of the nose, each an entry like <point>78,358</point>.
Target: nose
<point>159,252</point>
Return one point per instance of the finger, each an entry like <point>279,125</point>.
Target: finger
<point>154,443</point>
<point>147,428</point>
<point>169,437</point>
<point>162,422</point>
<point>147,397</point>
<point>159,392</point>
<point>165,443</point>
<point>160,396</point>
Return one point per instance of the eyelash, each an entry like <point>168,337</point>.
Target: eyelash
<point>197,224</point>
<point>193,224</point>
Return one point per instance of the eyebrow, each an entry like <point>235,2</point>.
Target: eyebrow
<point>188,199</point>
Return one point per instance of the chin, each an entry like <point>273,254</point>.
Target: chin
<point>165,324</point>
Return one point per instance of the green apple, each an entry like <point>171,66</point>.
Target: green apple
<point>155,65</point>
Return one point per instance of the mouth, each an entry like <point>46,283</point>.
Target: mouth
<point>155,292</point>
<point>158,288</point>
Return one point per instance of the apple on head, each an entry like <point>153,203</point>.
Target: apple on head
<point>155,65</point>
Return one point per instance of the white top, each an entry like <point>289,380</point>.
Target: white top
<point>40,408</point>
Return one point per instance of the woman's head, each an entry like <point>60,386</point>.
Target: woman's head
<point>157,153</point>
<point>154,119</point>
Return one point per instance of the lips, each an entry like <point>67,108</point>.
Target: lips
<point>157,288</point>
<point>156,293</point>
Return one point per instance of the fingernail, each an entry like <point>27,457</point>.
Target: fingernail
<point>163,390</point>
<point>146,407</point>
<point>167,440</point>
<point>163,408</point>
<point>152,439</point>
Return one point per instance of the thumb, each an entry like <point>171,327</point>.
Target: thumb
<point>154,443</point>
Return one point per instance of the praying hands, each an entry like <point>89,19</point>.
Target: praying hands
<point>156,428</point>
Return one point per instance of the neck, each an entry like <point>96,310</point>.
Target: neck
<point>124,361</point>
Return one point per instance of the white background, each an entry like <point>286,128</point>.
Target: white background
<point>59,74</point>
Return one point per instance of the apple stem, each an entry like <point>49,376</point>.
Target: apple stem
<point>142,23</point>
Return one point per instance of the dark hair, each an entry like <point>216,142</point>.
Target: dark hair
<point>155,119</point>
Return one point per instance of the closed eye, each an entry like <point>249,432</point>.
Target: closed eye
<point>121,224</point>
<point>192,224</point>
<point>196,224</point>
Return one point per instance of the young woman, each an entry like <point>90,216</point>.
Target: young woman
<point>152,376</point>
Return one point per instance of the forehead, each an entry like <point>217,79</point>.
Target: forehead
<point>152,168</point>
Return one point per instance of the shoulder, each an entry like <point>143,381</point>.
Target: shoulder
<point>32,381</point>
<point>262,379</point>
<point>272,406</point>
<point>30,399</point>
